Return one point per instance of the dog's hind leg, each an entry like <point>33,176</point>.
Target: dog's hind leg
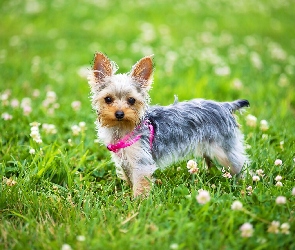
<point>236,154</point>
<point>208,161</point>
<point>227,159</point>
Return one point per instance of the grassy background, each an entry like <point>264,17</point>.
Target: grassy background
<point>212,49</point>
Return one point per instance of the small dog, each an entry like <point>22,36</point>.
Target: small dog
<point>143,138</point>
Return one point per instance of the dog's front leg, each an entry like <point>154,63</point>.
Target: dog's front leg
<point>142,180</point>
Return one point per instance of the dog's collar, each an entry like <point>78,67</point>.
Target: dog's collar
<point>127,140</point>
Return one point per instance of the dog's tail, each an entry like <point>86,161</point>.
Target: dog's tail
<point>236,105</point>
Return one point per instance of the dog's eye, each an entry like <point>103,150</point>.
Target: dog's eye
<point>131,100</point>
<point>108,100</point>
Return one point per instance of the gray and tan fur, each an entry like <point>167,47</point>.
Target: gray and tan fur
<point>181,130</point>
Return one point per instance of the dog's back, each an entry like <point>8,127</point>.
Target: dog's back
<point>184,129</point>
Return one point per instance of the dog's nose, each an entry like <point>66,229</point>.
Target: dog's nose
<point>119,114</point>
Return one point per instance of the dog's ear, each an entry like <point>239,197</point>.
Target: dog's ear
<point>142,71</point>
<point>102,66</point>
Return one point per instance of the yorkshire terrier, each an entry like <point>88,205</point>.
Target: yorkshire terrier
<point>143,138</point>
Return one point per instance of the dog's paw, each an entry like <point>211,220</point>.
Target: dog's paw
<point>142,188</point>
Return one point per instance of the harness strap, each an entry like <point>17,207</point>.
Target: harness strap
<point>126,141</point>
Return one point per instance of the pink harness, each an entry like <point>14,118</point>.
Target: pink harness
<point>126,141</point>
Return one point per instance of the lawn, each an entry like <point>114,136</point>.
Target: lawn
<point>59,189</point>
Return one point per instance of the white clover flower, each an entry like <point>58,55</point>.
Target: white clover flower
<point>222,70</point>
<point>66,247</point>
<point>193,170</point>
<point>51,96</point>
<point>14,103</point>
<point>264,125</point>
<point>251,120</point>
<point>280,200</point>
<point>39,140</point>
<point>191,164</point>
<point>49,128</point>
<point>82,125</point>
<point>80,238</point>
<point>192,167</point>
<point>278,162</point>
<point>6,116</point>
<point>260,172</point>
<point>27,110</point>
<point>236,205</point>
<point>277,52</point>
<point>246,230</point>
<point>32,151</point>
<point>256,178</point>
<point>76,129</point>
<point>76,105</point>
<point>174,246</point>
<point>223,170</point>
<point>35,132</point>
<point>279,184</point>
<point>35,124</point>
<point>274,227</point>
<point>203,197</point>
<point>26,101</point>
<point>45,126</point>
<point>227,175</point>
<point>4,97</point>
<point>278,178</point>
<point>285,228</point>
<point>293,191</point>
<point>250,190</point>
<point>50,103</point>
<point>34,129</point>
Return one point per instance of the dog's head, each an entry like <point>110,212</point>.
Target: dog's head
<point>120,99</point>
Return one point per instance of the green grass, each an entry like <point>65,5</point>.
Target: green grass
<point>69,188</point>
